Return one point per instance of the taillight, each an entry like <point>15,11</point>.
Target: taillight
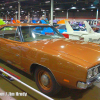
<point>82,38</point>
<point>65,35</point>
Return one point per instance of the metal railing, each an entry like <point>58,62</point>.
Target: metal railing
<point>47,97</point>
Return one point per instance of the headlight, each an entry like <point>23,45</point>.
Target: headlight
<point>95,71</point>
<point>90,73</point>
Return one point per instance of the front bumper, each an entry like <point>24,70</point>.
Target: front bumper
<point>84,85</point>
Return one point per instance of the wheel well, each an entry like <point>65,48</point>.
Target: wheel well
<point>34,66</point>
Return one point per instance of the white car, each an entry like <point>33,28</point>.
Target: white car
<point>89,35</point>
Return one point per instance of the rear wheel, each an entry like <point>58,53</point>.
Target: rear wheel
<point>46,81</point>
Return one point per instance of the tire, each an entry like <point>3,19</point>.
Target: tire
<point>46,81</point>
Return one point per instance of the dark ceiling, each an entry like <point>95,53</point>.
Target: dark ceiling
<point>9,7</point>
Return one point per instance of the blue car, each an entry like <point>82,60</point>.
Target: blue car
<point>44,30</point>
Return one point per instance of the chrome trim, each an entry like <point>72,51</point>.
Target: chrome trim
<point>92,69</point>
<point>84,85</point>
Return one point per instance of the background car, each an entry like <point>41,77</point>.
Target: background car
<point>89,35</point>
<point>62,28</point>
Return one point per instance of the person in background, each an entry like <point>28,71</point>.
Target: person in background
<point>26,20</point>
<point>98,23</point>
<point>30,20</point>
<point>44,18</point>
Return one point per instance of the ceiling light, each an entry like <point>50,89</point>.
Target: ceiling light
<point>57,8</point>
<point>83,9</point>
<point>77,10</point>
<point>62,11</point>
<point>73,7</point>
<point>22,11</point>
<point>2,7</point>
<point>91,10</point>
<point>93,7</point>
<point>42,10</point>
<point>47,1</point>
<point>10,6</point>
<point>91,4</point>
<point>16,12</point>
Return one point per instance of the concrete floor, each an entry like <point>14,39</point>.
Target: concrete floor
<point>92,93</point>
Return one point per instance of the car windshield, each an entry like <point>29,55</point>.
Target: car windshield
<point>35,33</point>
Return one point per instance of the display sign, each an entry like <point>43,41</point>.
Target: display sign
<point>6,76</point>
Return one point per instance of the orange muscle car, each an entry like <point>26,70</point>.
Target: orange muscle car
<point>53,60</point>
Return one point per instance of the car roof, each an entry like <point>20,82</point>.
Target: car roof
<point>24,24</point>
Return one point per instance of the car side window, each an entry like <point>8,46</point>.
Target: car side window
<point>11,33</point>
<point>1,32</point>
<point>25,32</point>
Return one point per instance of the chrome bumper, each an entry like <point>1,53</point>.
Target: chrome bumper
<point>84,85</point>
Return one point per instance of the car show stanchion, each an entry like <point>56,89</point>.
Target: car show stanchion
<point>47,97</point>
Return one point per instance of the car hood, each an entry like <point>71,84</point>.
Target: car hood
<point>89,52</point>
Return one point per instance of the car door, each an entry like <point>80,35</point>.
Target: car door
<point>5,55</point>
<point>11,45</point>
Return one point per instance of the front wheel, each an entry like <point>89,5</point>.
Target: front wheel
<point>46,81</point>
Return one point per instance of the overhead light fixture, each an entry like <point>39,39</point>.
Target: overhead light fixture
<point>91,10</point>
<point>77,10</point>
<point>62,11</point>
<point>16,12</point>
<point>73,7</point>
<point>47,1</point>
<point>22,11</point>
<point>83,9</point>
<point>91,4</point>
<point>2,7</point>
<point>10,6</point>
<point>57,8</point>
<point>93,7</point>
<point>42,10</point>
